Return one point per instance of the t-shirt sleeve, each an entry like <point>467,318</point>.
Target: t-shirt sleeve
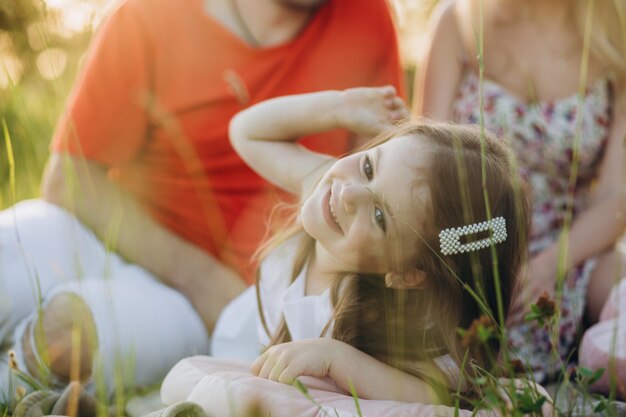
<point>106,118</point>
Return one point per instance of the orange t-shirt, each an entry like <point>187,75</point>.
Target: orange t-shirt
<point>161,83</point>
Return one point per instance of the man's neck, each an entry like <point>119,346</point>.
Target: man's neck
<point>260,23</point>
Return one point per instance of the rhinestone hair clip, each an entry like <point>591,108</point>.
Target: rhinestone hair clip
<point>450,239</point>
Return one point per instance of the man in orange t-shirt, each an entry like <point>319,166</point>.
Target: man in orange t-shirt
<point>151,170</point>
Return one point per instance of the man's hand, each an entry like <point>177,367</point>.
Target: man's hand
<point>368,111</point>
<point>287,361</point>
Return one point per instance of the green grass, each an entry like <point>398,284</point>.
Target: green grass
<point>29,133</point>
<point>31,105</point>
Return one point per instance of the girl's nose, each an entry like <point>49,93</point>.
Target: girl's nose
<point>352,195</point>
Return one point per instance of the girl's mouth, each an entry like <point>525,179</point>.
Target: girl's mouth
<point>329,212</point>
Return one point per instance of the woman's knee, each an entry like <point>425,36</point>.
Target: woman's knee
<point>63,339</point>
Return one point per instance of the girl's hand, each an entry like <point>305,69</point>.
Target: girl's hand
<point>287,361</point>
<point>369,110</point>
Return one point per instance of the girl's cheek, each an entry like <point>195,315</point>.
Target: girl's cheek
<point>362,238</point>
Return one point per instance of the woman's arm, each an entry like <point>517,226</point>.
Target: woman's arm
<point>265,135</point>
<point>601,224</point>
<point>347,366</point>
<point>437,81</point>
<point>594,230</point>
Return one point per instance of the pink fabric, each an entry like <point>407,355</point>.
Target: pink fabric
<point>226,388</point>
<point>611,308</point>
<point>604,344</point>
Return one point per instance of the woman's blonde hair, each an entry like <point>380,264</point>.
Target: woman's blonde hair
<point>400,327</point>
<point>607,32</point>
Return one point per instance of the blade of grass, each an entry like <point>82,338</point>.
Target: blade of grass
<point>483,162</point>
<point>355,397</point>
<point>33,276</point>
<point>10,159</point>
<point>300,387</point>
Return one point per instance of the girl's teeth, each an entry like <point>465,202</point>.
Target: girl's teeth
<point>332,211</point>
<point>334,215</point>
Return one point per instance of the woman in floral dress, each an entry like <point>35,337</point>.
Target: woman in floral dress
<point>563,111</point>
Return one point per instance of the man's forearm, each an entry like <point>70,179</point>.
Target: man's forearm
<point>83,187</point>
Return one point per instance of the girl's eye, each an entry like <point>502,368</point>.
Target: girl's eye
<point>367,168</point>
<point>379,217</point>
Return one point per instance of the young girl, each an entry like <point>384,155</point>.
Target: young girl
<point>375,275</point>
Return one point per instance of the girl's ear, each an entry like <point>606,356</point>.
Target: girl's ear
<point>414,279</point>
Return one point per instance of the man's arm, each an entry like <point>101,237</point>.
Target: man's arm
<point>83,187</point>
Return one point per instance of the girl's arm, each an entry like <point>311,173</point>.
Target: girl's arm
<point>346,365</point>
<point>265,135</point>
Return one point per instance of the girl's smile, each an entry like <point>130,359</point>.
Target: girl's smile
<point>329,213</point>
<point>364,213</point>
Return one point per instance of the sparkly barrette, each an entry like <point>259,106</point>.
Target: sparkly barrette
<point>450,239</point>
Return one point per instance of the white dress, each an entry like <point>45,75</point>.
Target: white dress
<point>239,333</point>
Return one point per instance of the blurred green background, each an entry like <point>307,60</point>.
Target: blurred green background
<point>42,44</point>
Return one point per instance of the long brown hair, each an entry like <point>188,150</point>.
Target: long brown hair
<point>400,327</point>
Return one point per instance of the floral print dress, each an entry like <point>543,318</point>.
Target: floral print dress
<point>542,136</point>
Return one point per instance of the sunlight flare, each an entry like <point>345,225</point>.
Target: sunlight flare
<point>51,63</point>
<point>10,71</point>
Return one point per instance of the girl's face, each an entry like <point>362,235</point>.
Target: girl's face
<point>367,210</point>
